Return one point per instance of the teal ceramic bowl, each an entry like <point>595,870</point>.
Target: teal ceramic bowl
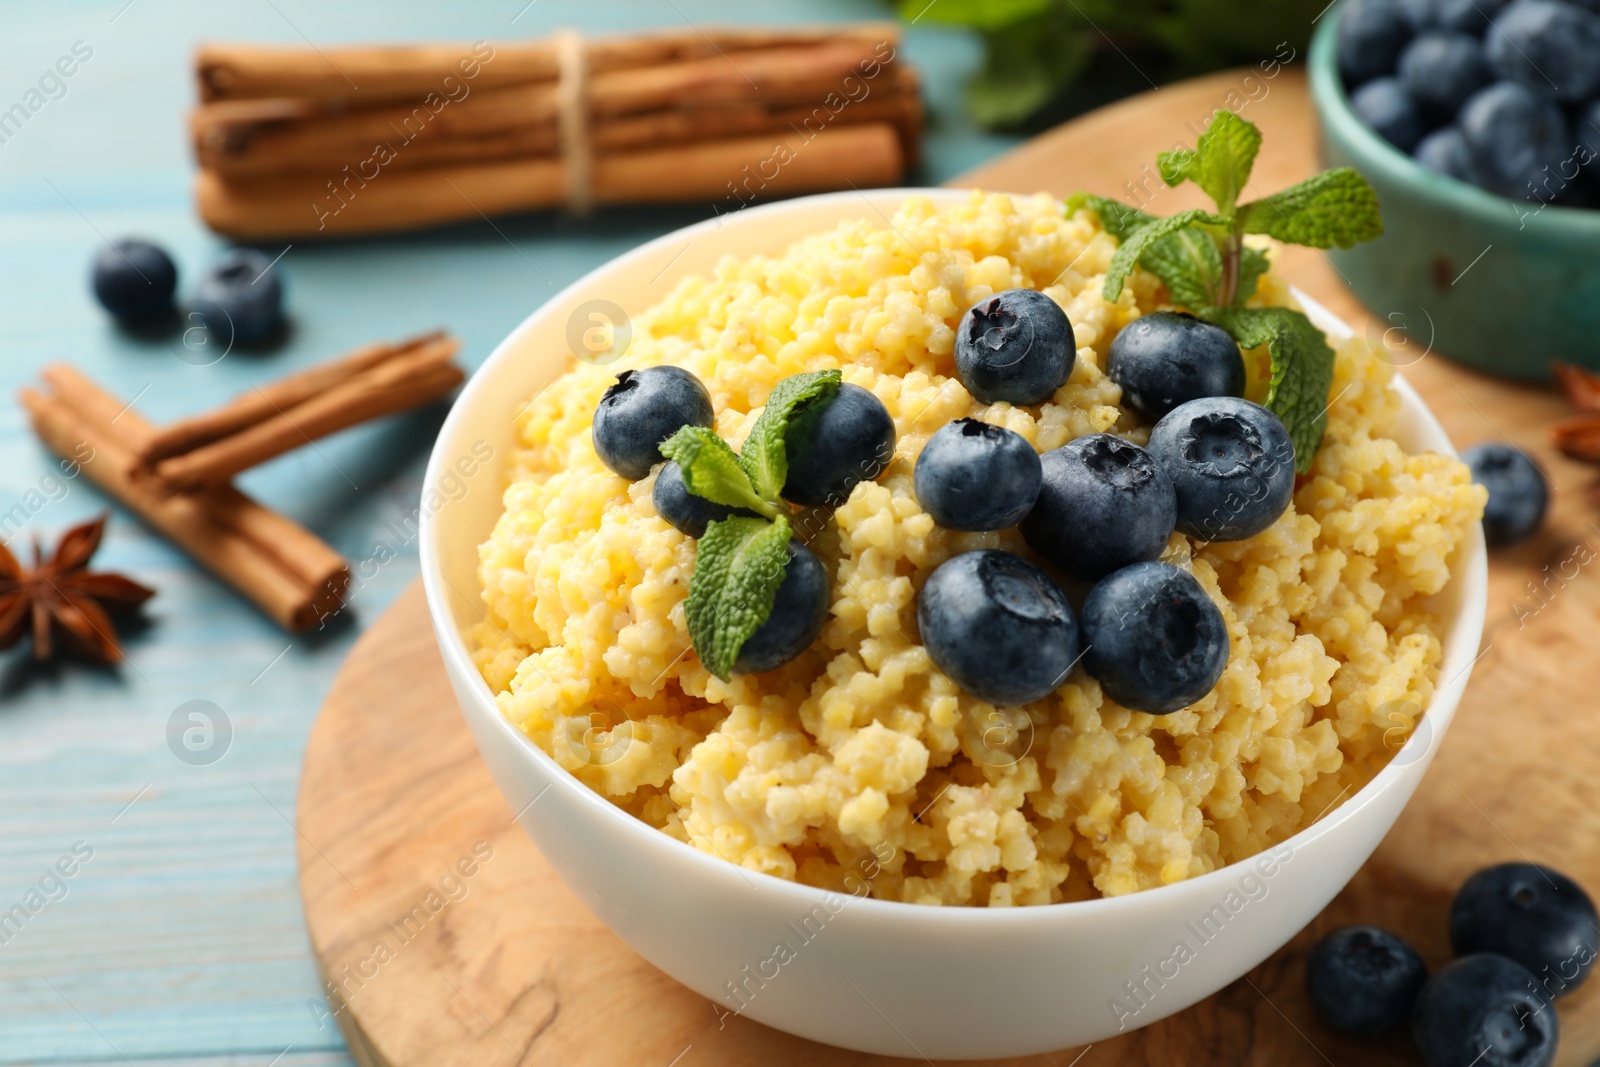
<point>1502,285</point>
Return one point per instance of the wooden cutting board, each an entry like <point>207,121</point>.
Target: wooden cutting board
<point>429,967</point>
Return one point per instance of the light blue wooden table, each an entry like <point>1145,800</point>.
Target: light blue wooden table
<point>180,937</point>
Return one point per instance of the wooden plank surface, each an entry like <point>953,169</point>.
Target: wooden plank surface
<point>518,971</point>
<point>183,936</point>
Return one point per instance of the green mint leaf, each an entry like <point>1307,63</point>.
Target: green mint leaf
<point>1302,369</point>
<point>765,458</point>
<point>1116,218</point>
<point>1133,247</point>
<point>977,14</point>
<point>1220,161</point>
<point>1336,207</point>
<point>1187,261</point>
<point>1253,264</point>
<point>739,564</point>
<point>711,470</point>
<point>1190,265</point>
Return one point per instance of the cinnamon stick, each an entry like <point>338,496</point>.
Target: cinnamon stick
<point>397,384</point>
<point>240,138</point>
<point>297,550</point>
<point>202,525</point>
<point>726,173</point>
<point>239,71</point>
<point>266,401</point>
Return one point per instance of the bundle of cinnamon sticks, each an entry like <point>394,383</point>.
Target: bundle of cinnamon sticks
<point>177,478</point>
<point>300,142</point>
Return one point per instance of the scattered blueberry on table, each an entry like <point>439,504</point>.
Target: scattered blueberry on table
<point>835,444</point>
<point>640,410</point>
<point>1153,638</point>
<point>1364,980</point>
<point>1167,358</point>
<point>1016,346</point>
<point>134,280</point>
<point>1532,914</point>
<point>240,298</point>
<point>1519,493</point>
<point>973,475</point>
<point>1517,83</point>
<point>997,626</point>
<point>1484,1011</point>
<point>1523,935</point>
<point>798,612</point>
<point>1231,464</point>
<point>1104,503</point>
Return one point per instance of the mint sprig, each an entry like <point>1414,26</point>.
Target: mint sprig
<point>740,561</point>
<point>765,457</point>
<point>1302,367</point>
<point>738,567</point>
<point>712,470</point>
<point>1201,258</point>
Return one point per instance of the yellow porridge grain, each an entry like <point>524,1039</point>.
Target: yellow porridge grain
<point>860,748</point>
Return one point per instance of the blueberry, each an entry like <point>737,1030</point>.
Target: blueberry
<point>972,475</point>
<point>1165,358</point>
<point>1419,14</point>
<point>835,443</point>
<point>683,509</point>
<point>1587,128</point>
<point>1364,980</point>
<point>1548,45</point>
<point>1440,70</point>
<point>1152,638</point>
<point>1371,34</point>
<point>642,409</point>
<point>1104,503</point>
<point>1532,914</point>
<point>1384,104</point>
<point>1016,346</point>
<point>134,280</point>
<point>1465,16</point>
<point>1518,491</point>
<point>1231,463</point>
<point>798,612</point>
<point>997,626</point>
<point>240,297</point>
<point>1444,152</point>
<point>1484,1011</point>
<point>1512,134</point>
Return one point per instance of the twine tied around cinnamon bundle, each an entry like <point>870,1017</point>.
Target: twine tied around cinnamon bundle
<point>572,111</point>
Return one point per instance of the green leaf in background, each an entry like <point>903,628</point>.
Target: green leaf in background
<point>1025,66</point>
<point>978,14</point>
<point>1127,256</point>
<point>1302,369</point>
<point>711,470</point>
<point>1336,207</point>
<point>765,456</point>
<point>739,564</point>
<point>1190,265</point>
<point>1220,162</point>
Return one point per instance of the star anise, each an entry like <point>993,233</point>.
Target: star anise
<point>61,594</point>
<point>1579,435</point>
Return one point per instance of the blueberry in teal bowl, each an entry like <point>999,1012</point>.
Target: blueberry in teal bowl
<point>1491,250</point>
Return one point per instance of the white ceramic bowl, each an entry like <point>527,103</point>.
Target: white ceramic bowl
<point>878,976</point>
